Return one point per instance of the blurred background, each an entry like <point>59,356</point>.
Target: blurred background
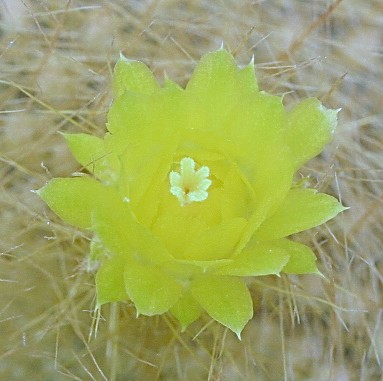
<point>56,60</point>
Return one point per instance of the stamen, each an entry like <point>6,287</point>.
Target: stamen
<point>190,185</point>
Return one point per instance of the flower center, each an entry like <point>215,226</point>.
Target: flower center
<point>190,185</point>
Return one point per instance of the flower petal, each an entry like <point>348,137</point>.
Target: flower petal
<point>247,80</point>
<point>218,242</point>
<point>217,78</point>
<point>302,259</point>
<point>194,267</point>
<point>110,281</point>
<point>225,299</point>
<point>169,84</point>
<point>237,201</point>
<point>152,291</point>
<point>119,231</point>
<point>257,132</point>
<point>311,127</point>
<point>145,129</point>
<point>261,258</point>
<point>301,210</point>
<point>74,199</point>
<point>176,232</point>
<point>90,152</point>
<point>274,181</point>
<point>87,149</point>
<point>214,79</point>
<point>132,114</point>
<point>186,310</point>
<point>266,168</point>
<point>135,76</point>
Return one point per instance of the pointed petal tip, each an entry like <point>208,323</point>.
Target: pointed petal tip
<point>126,59</point>
<point>319,273</point>
<point>184,327</point>
<point>40,191</point>
<point>238,333</point>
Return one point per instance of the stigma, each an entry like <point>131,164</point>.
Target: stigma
<point>190,185</point>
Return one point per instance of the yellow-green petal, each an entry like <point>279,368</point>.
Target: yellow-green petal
<point>152,291</point>
<point>90,152</point>
<point>261,258</point>
<point>217,77</point>
<point>302,259</point>
<point>214,78</point>
<point>145,132</point>
<point>237,198</point>
<point>217,242</point>
<point>302,209</point>
<point>135,76</point>
<point>176,232</point>
<point>311,126</point>
<point>74,199</point>
<point>169,84</point>
<point>87,149</point>
<point>110,284</point>
<point>186,310</point>
<point>247,80</point>
<point>120,232</point>
<point>201,266</point>
<point>273,185</point>
<point>226,299</point>
<point>266,167</point>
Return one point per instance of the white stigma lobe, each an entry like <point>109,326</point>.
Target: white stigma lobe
<point>190,185</point>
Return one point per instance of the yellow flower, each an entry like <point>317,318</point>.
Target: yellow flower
<point>192,189</point>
